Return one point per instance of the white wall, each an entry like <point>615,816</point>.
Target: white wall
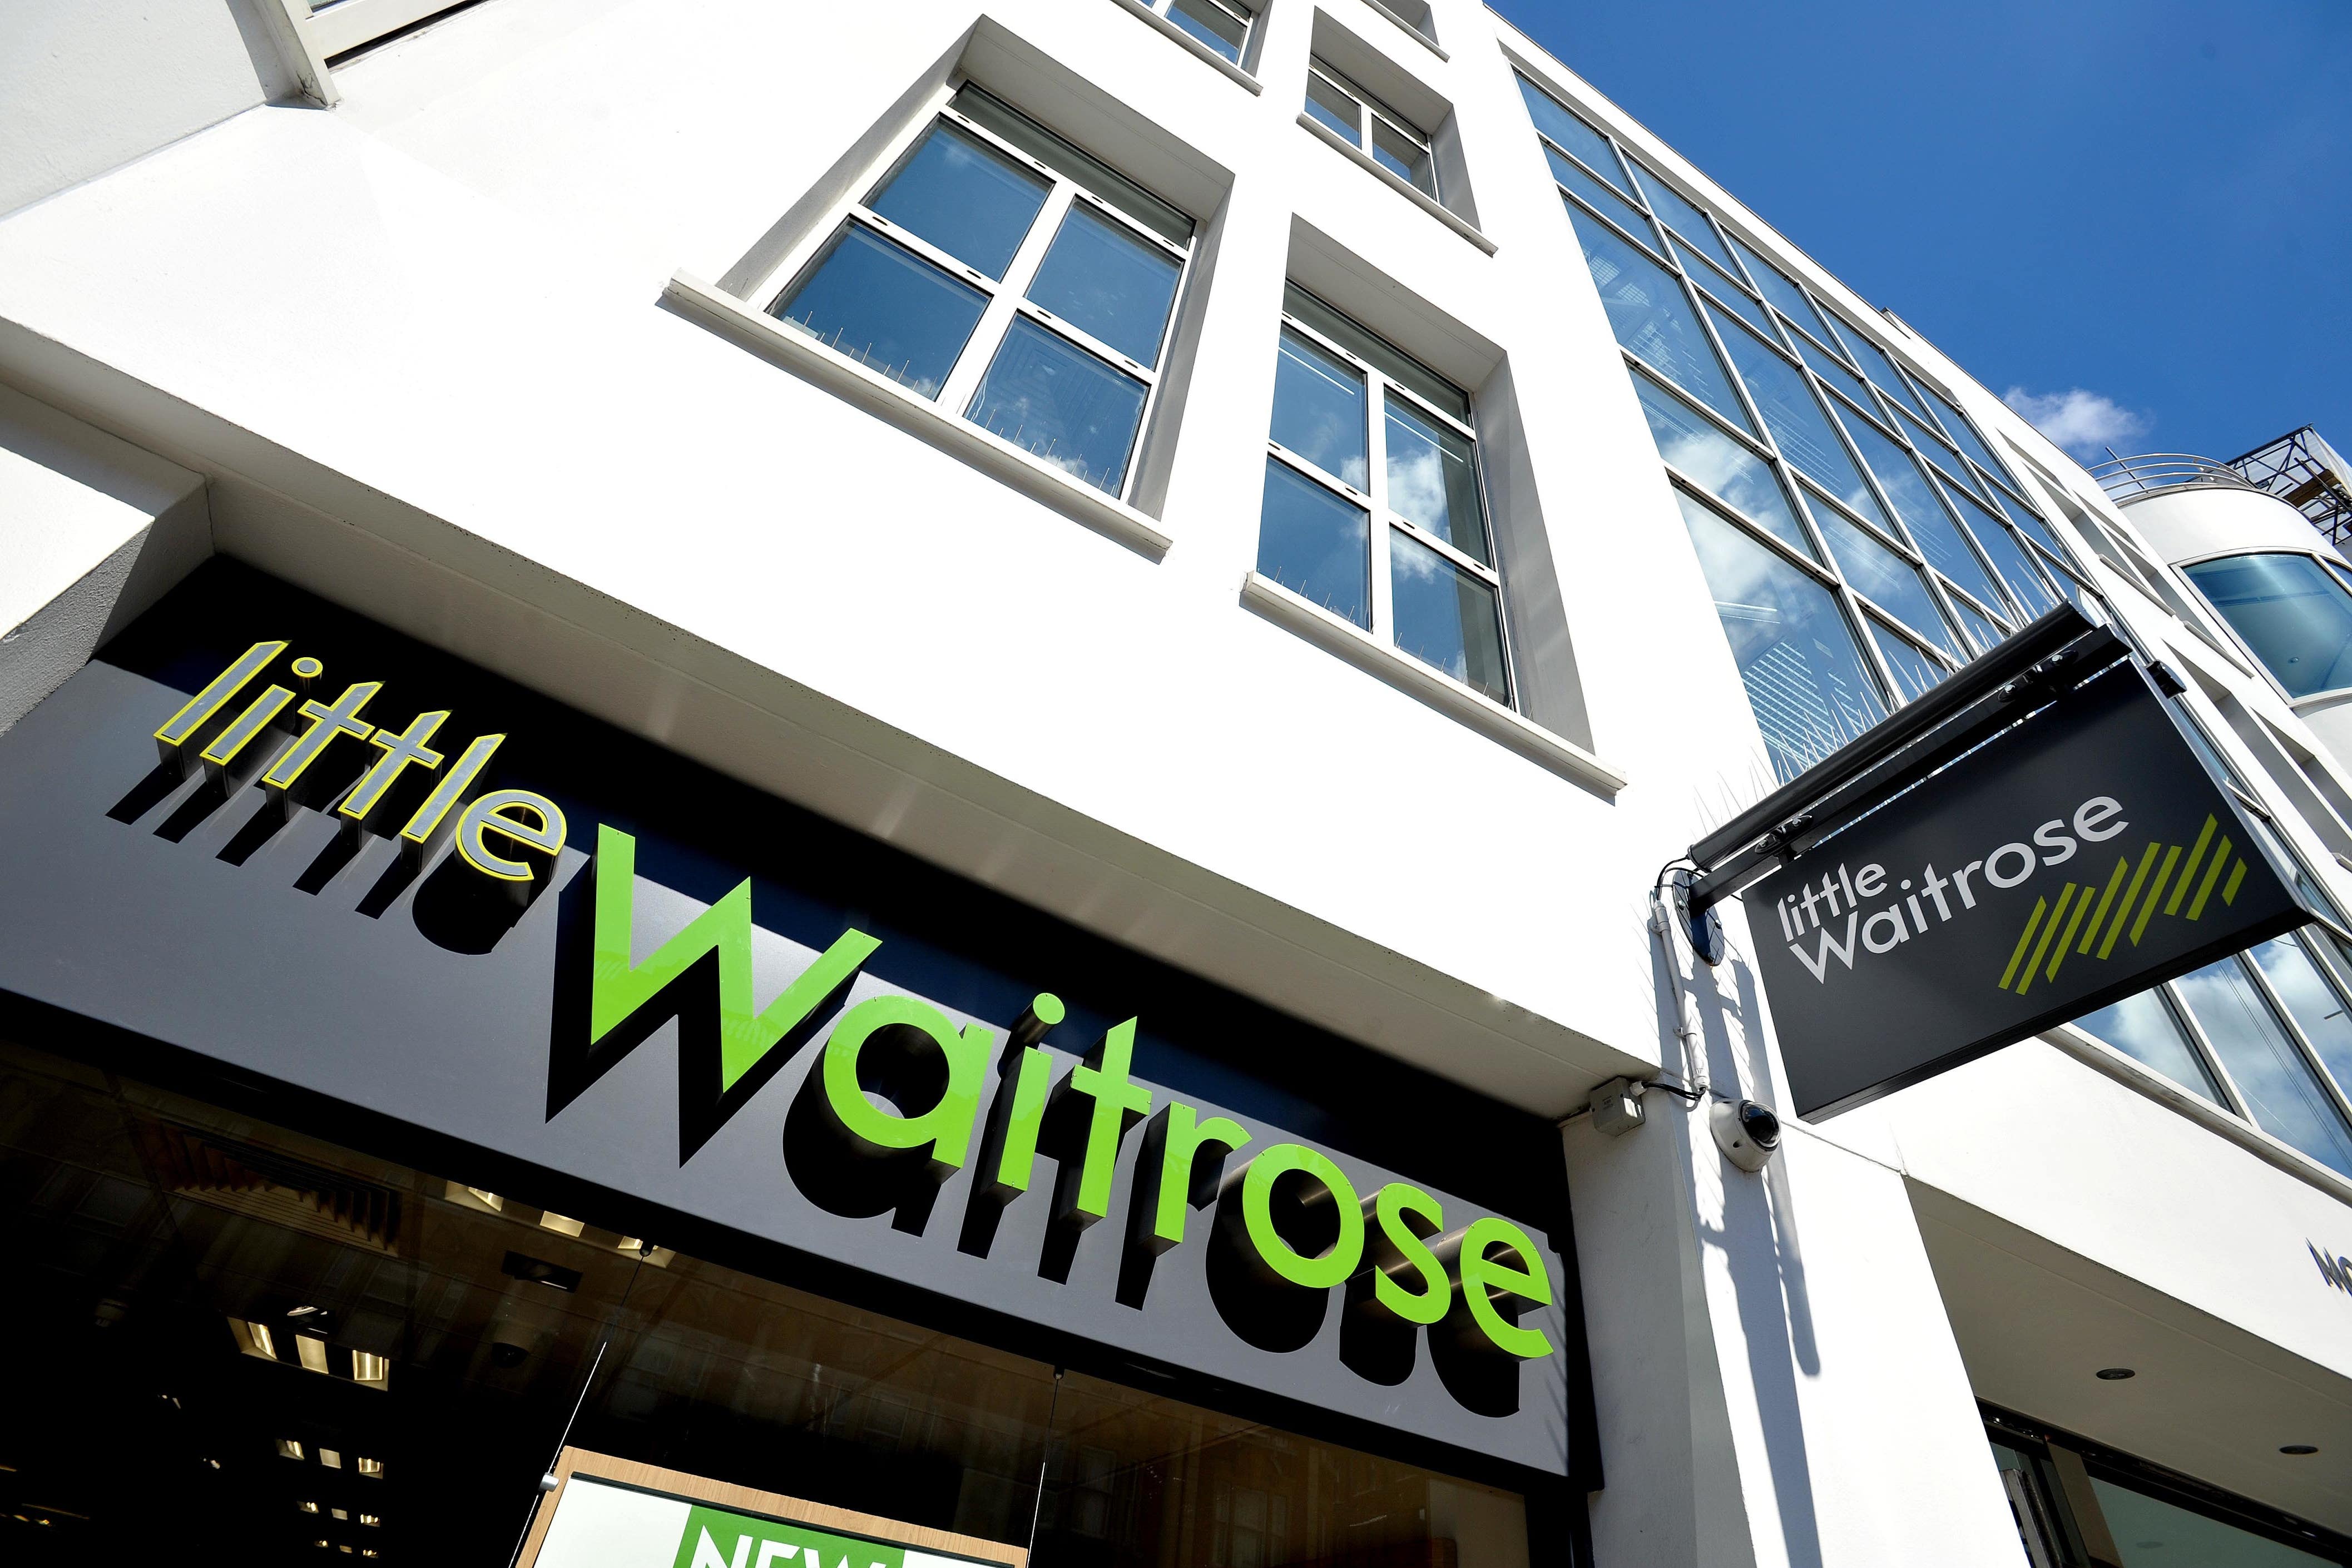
<point>85,85</point>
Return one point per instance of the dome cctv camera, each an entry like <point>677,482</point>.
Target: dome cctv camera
<point>1747,1134</point>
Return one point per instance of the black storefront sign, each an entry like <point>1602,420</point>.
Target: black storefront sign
<point>590,961</point>
<point>2071,859</point>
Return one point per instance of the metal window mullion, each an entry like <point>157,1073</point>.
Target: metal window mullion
<point>1723,359</point>
<point>2311,1059</point>
<point>1453,553</point>
<point>2016,615</point>
<point>1469,433</point>
<point>980,352</point>
<point>1780,547</point>
<point>1645,247</point>
<point>1633,199</point>
<point>2233,1099</point>
<point>1857,615</point>
<point>1759,447</point>
<point>797,258</point>
<point>1376,482</point>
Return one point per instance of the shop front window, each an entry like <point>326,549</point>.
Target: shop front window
<point>263,1336</point>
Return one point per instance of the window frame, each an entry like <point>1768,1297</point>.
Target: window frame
<point>2335,571</point>
<point>1371,109</point>
<point>1245,15</point>
<point>1007,301</point>
<point>1379,386</point>
<point>1667,248</point>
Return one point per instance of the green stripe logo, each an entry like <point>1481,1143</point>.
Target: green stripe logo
<point>2100,918</point>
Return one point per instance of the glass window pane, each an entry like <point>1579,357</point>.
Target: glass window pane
<point>1782,291</point>
<point>2296,617</point>
<point>1556,120</point>
<point>1608,203</point>
<point>1706,456</point>
<point>1985,632</point>
<point>1312,540</point>
<point>1884,578</point>
<point>2311,1001</point>
<point>1937,451</point>
<point>969,200</point>
<point>1805,677</point>
<point>1914,671</point>
<point>1445,617</point>
<point>1653,316</point>
<point>1105,281</point>
<point>1378,353</point>
<point>1879,366</point>
<point>1682,216</point>
<point>1403,156</point>
<point>1045,395</point>
<point>1827,366</point>
<point>1319,410</point>
<point>2009,557</point>
<point>1098,177</point>
<point>1916,502</point>
<point>2143,1028</point>
<point>1795,419</point>
<point>2032,524</point>
<point>2281,1094</point>
<point>2153,1533</point>
<point>885,307</point>
<point>1212,25</point>
<point>1964,435</point>
<point>1328,103</point>
<point>1433,473</point>
<point>1723,288</point>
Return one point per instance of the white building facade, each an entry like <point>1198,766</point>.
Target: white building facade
<point>1308,500</point>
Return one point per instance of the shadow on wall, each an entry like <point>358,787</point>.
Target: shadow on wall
<point>1756,1233</point>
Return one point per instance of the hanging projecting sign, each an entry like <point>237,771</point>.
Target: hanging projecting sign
<point>2071,860</point>
<point>268,834</point>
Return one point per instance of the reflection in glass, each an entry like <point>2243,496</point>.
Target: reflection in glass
<point>1608,203</point>
<point>2296,617</point>
<point>1328,103</point>
<point>2311,1001</point>
<point>1724,287</point>
<point>1982,629</point>
<point>1050,397</point>
<point>2143,1028</point>
<point>1827,366</point>
<point>1690,442</point>
<point>2281,1094</point>
<point>1804,677</point>
<point>1915,502</point>
<point>1914,671</point>
<point>1212,25</point>
<point>1433,477</point>
<point>1653,316</point>
<point>969,200</point>
<point>1563,126</point>
<point>1796,421</point>
<point>1681,216</point>
<point>1404,157</point>
<point>1445,617</point>
<point>1782,291</point>
<point>1963,434</point>
<point>1937,451</point>
<point>1319,410</point>
<point>885,307</point>
<point>2153,1533</point>
<point>1107,282</point>
<point>1313,543</point>
<point>2008,557</point>
<point>1879,366</point>
<point>1884,578</point>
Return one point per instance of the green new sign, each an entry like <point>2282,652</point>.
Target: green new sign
<point>717,1539</point>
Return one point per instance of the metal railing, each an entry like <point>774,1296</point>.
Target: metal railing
<point>2126,478</point>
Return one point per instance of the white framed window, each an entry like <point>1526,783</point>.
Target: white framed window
<point>1374,508</point>
<point>1222,27</point>
<point>1393,141</point>
<point>995,269</point>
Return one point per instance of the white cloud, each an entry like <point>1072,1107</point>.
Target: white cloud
<point>2085,424</point>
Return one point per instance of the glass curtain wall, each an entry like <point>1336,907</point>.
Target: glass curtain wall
<point>1900,546</point>
<point>228,1331</point>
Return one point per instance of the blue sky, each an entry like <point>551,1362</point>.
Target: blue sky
<point>2149,201</point>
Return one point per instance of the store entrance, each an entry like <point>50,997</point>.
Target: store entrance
<point>223,1332</point>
